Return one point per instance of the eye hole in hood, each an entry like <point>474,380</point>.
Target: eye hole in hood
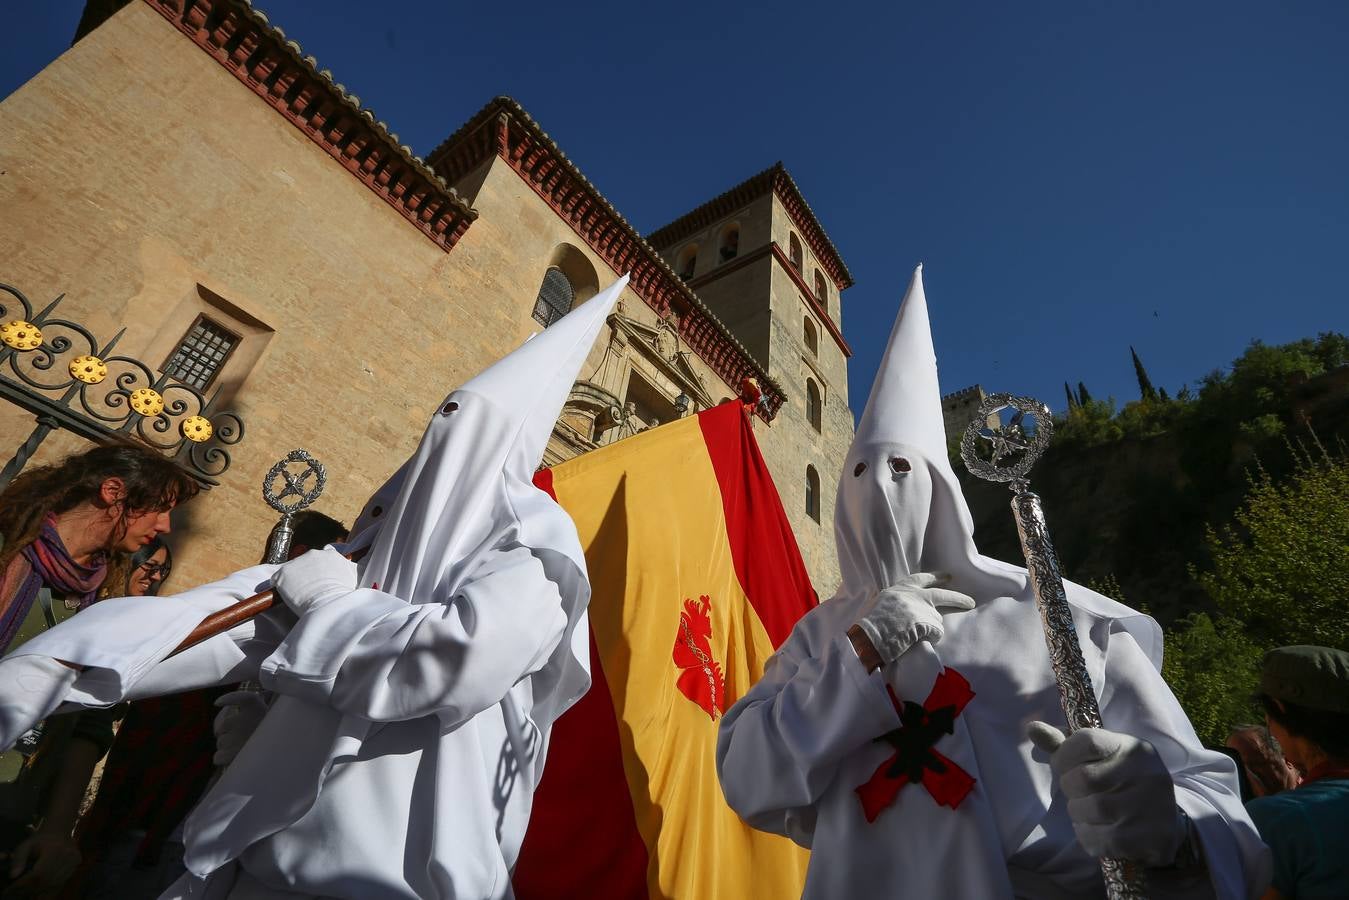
<point>900,466</point>
<point>857,472</point>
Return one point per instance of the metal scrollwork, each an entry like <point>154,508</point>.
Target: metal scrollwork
<point>1006,441</point>
<point>1123,879</point>
<point>71,381</point>
<point>294,485</point>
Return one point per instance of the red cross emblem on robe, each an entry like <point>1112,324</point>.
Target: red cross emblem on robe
<point>915,758</point>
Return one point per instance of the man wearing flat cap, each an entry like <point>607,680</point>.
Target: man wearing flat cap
<point>1305,692</point>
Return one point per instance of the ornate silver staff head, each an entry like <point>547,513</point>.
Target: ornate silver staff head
<point>1012,451</point>
<point>295,494</point>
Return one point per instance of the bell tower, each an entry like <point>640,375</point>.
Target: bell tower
<point>761,261</point>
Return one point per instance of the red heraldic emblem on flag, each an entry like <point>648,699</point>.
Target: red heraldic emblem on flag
<point>696,580</point>
<point>701,679</point>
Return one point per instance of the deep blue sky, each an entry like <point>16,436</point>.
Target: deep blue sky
<point>1076,177</point>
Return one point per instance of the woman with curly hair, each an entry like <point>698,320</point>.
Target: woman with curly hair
<point>60,525</point>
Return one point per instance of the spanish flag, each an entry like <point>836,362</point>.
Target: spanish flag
<point>696,579</point>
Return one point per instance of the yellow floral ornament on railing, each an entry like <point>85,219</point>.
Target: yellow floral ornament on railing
<point>147,401</point>
<point>21,335</point>
<point>89,369</point>
<point>197,429</point>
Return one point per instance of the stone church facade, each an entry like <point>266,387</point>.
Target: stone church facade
<point>184,172</point>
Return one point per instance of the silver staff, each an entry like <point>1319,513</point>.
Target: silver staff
<point>294,485</point>
<point>1123,878</point>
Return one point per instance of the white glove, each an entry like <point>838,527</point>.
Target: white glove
<point>314,579</point>
<point>239,716</point>
<point>1120,795</point>
<point>906,613</point>
<point>30,688</point>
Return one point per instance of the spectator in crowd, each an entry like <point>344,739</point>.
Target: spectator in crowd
<point>1305,692</point>
<point>161,764</point>
<point>1267,771</point>
<point>150,566</point>
<point>59,526</point>
<point>140,573</point>
<point>314,531</point>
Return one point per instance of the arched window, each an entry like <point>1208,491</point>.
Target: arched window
<point>794,250</point>
<point>555,297</point>
<point>812,493</point>
<point>729,244</point>
<point>811,336</point>
<point>813,405</point>
<point>821,289</point>
<point>687,262</point>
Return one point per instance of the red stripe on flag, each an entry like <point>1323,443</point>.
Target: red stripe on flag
<point>583,831</point>
<point>767,559</point>
<point>543,480</point>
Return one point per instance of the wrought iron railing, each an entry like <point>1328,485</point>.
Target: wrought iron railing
<point>56,369</point>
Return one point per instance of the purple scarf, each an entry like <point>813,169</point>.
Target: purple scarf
<point>52,567</point>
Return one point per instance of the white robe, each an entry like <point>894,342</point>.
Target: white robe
<point>431,803</point>
<point>795,748</point>
<point>792,752</point>
<point>408,734</point>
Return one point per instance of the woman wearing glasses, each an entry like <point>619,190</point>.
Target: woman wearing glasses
<point>150,565</point>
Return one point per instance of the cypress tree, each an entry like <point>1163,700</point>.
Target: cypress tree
<point>1072,401</point>
<point>1145,388</point>
<point>1083,396</point>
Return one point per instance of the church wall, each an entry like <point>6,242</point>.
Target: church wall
<point>138,172</point>
<point>503,258</point>
<point>149,199</point>
<point>755,223</point>
<point>795,443</point>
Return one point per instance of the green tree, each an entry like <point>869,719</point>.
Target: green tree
<point>1145,389</point>
<point>1282,567</point>
<point>1212,666</point>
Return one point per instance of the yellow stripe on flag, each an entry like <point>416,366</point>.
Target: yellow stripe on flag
<point>645,571</point>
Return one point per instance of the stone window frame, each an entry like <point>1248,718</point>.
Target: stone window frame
<point>812,492</point>
<point>723,244</point>
<point>814,405</point>
<point>794,255</point>
<point>821,289</point>
<point>686,262</point>
<point>810,335</point>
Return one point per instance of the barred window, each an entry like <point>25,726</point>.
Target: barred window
<point>555,298</point>
<point>201,354</point>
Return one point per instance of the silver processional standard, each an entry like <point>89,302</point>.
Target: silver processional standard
<point>294,485</point>
<point>1123,878</point>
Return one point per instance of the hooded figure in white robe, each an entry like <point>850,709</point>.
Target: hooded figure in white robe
<point>414,692</point>
<point>793,752</point>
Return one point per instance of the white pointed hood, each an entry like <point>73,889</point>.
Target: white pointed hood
<point>888,524</point>
<point>468,488</point>
<point>900,509</point>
